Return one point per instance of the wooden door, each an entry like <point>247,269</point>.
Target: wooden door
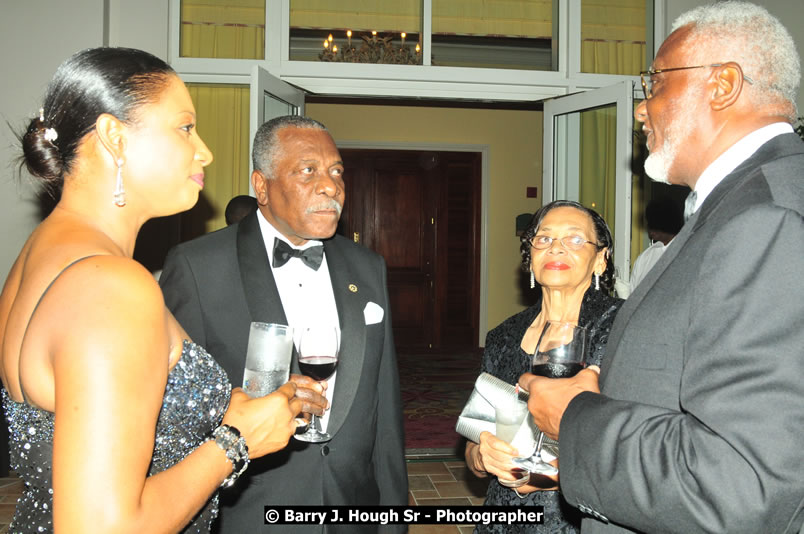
<point>421,212</point>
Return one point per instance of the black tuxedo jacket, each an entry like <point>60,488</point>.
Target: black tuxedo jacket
<point>216,286</point>
<point>700,427</point>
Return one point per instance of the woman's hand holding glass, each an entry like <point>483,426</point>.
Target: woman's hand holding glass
<point>495,456</point>
<point>267,423</point>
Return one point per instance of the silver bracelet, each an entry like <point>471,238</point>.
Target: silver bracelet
<point>228,438</point>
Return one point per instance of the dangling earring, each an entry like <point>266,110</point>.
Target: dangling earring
<point>597,282</point>
<point>532,280</point>
<point>119,192</point>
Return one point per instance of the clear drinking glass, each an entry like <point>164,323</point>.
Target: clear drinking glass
<point>318,358</point>
<point>560,353</point>
<point>509,419</point>
<point>270,347</point>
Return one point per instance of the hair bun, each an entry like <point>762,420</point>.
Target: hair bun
<point>41,154</point>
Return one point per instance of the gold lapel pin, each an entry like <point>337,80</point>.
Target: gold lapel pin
<point>353,288</point>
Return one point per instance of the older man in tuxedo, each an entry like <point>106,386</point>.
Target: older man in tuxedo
<point>283,264</point>
<point>698,424</point>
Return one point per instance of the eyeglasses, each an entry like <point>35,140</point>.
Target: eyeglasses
<point>646,75</point>
<point>570,242</point>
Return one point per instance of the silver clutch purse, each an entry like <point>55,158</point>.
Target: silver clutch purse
<point>478,414</point>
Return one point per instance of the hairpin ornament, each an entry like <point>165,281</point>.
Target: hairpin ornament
<point>41,114</point>
<point>51,134</point>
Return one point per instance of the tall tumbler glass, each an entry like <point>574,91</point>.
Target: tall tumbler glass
<point>270,347</point>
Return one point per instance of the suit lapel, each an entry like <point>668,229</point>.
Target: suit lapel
<point>265,305</point>
<point>635,299</point>
<point>777,147</point>
<point>353,334</point>
<point>262,297</point>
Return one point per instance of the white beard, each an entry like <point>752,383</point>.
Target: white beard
<point>659,163</point>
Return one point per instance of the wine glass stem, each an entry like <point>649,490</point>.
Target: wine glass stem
<point>314,424</point>
<point>539,443</point>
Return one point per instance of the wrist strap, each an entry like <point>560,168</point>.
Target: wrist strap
<point>228,438</point>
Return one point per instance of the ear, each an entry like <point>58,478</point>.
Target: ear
<point>258,182</point>
<point>111,133</point>
<point>728,86</point>
<point>601,260</point>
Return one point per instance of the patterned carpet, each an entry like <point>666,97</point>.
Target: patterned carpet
<point>435,388</point>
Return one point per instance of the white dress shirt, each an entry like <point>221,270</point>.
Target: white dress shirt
<point>645,262</point>
<point>733,157</point>
<point>306,294</point>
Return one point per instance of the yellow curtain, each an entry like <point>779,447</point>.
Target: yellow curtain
<point>225,29</point>
<point>598,164</point>
<point>512,18</point>
<point>357,15</point>
<point>515,18</point>
<point>223,115</point>
<point>613,37</point>
<point>234,29</point>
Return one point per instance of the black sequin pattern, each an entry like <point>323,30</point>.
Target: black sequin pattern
<point>196,397</point>
<point>504,358</point>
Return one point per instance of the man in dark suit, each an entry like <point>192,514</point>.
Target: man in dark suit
<point>271,267</point>
<point>698,425</point>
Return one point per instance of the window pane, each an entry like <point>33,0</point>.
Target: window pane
<point>614,34</point>
<point>223,29</point>
<point>319,31</point>
<point>505,34</point>
<point>598,149</point>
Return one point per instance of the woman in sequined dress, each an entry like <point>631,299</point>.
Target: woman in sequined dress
<point>108,403</point>
<point>566,248</point>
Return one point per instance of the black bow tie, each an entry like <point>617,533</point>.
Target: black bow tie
<point>310,256</point>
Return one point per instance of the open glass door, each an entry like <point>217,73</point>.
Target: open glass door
<point>271,97</point>
<point>588,141</point>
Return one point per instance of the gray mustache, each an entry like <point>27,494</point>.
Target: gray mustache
<point>330,204</point>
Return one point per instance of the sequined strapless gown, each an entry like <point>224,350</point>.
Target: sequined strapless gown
<point>196,397</point>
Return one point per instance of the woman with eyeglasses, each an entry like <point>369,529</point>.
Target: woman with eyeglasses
<point>566,248</point>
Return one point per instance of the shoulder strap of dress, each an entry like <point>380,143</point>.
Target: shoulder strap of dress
<point>38,302</point>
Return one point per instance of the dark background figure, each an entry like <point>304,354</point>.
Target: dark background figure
<point>663,220</point>
<point>239,207</point>
<point>697,422</point>
<point>218,284</point>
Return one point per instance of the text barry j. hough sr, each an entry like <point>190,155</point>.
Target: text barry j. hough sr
<point>409,515</point>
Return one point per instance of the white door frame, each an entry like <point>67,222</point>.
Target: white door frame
<point>264,84</point>
<point>561,157</point>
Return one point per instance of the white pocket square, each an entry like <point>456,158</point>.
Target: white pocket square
<point>373,313</point>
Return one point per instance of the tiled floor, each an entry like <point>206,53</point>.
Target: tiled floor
<point>432,482</point>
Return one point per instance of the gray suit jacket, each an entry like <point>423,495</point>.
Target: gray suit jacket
<point>700,427</point>
<point>215,286</point>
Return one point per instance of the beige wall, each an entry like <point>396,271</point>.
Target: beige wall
<point>514,141</point>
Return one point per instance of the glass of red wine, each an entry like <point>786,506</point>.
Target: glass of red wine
<point>318,358</point>
<point>560,353</point>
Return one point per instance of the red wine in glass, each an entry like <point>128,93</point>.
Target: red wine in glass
<point>556,370</point>
<point>318,367</point>
<point>560,353</point>
<point>318,358</point>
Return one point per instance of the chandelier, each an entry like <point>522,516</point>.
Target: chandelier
<point>373,49</point>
